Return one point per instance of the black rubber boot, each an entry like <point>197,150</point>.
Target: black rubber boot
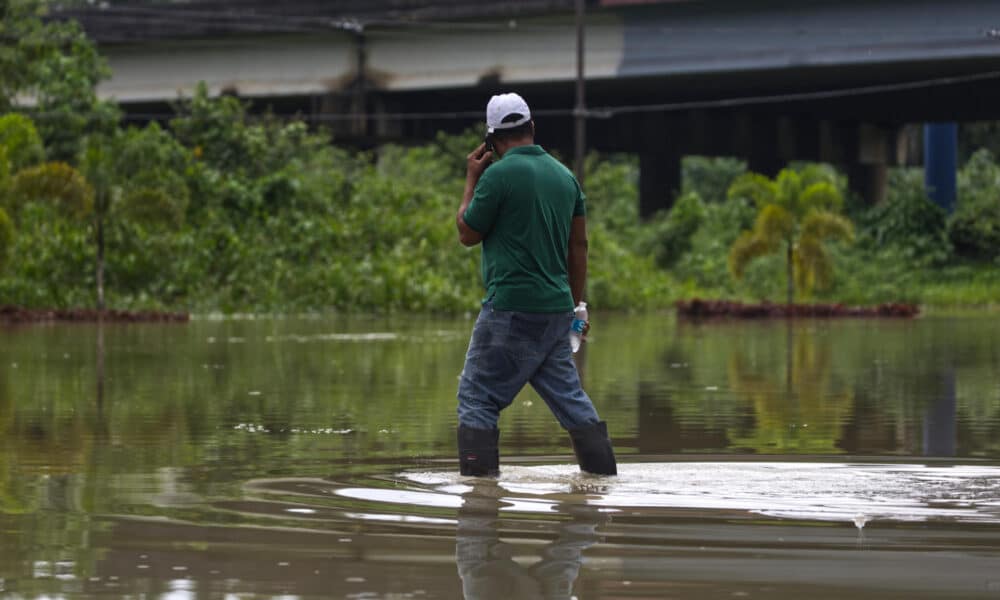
<point>478,452</point>
<point>593,449</point>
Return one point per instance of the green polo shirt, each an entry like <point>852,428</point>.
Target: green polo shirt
<point>523,206</point>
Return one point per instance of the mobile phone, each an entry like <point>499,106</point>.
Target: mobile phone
<point>489,143</point>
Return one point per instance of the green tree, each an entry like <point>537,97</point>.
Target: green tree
<point>20,140</point>
<point>51,69</point>
<point>6,227</point>
<point>710,177</point>
<point>6,238</point>
<point>53,184</point>
<point>131,181</point>
<point>20,146</point>
<point>136,178</point>
<point>974,228</point>
<point>797,212</point>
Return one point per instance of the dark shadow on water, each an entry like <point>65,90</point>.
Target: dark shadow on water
<point>487,565</point>
<point>939,423</point>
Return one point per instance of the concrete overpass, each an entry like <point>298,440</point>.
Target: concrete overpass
<point>837,81</point>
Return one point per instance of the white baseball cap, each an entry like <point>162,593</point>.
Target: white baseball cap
<point>503,106</point>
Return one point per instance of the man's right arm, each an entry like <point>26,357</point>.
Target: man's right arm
<point>476,163</point>
<point>467,235</point>
<point>578,258</point>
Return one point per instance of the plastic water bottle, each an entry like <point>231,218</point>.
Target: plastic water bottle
<point>579,323</point>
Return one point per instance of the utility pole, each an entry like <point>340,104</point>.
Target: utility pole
<point>580,111</point>
<point>580,122</point>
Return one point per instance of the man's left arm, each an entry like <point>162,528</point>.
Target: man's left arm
<point>578,258</point>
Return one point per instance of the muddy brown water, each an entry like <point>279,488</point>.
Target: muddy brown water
<point>314,458</point>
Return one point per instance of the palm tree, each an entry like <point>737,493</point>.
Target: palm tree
<point>797,212</point>
<point>6,237</point>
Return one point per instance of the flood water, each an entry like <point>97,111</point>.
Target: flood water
<point>315,458</point>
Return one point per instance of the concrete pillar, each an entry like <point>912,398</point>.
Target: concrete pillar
<point>834,139</point>
<point>765,163</point>
<point>659,181</point>
<point>867,173</point>
<point>868,181</point>
<point>807,139</point>
<point>909,146</point>
<point>699,126</point>
<point>763,157</point>
<point>385,128</point>
<point>786,142</point>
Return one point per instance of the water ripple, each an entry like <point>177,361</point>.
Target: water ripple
<point>845,492</point>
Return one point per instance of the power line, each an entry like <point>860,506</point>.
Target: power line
<point>608,112</point>
<point>799,96</point>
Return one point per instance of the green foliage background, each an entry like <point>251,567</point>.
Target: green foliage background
<point>221,211</point>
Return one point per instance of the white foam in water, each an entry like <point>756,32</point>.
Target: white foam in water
<point>402,497</point>
<point>369,336</point>
<point>439,500</point>
<point>855,493</point>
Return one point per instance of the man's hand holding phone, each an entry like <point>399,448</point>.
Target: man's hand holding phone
<point>477,161</point>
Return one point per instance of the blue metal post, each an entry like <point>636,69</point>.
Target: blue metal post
<point>941,163</point>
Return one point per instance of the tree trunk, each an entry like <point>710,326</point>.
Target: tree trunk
<point>789,272</point>
<point>100,262</point>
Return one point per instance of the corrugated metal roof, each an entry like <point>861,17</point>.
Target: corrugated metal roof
<point>133,20</point>
<point>637,2</point>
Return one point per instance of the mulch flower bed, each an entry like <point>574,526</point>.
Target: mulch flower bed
<point>704,309</point>
<point>17,315</point>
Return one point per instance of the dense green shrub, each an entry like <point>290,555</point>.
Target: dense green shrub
<point>50,261</point>
<point>21,144</point>
<point>6,237</point>
<point>974,228</point>
<point>669,235</point>
<point>622,268</point>
<point>612,190</point>
<point>710,177</point>
<point>267,216</point>
<point>229,211</point>
<point>54,183</point>
<point>975,232</point>
<point>908,223</point>
<point>705,267</point>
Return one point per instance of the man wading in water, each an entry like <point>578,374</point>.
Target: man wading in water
<point>528,212</point>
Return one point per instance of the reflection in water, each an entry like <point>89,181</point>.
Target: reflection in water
<point>487,566</point>
<point>818,388</point>
<point>99,370</point>
<point>661,430</point>
<point>125,453</point>
<point>798,408</point>
<point>939,418</point>
<point>100,424</point>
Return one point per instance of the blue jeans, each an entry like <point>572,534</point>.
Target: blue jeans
<point>509,349</point>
